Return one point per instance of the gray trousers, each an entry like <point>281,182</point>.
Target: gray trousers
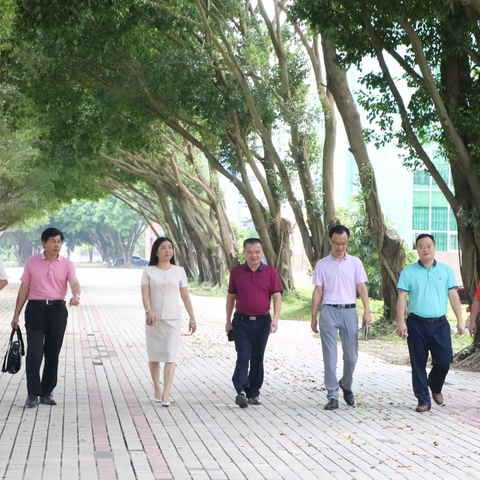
<point>332,321</point>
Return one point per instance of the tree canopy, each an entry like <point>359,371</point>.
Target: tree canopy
<point>435,45</point>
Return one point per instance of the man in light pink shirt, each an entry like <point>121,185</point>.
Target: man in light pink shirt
<point>44,285</point>
<point>337,278</point>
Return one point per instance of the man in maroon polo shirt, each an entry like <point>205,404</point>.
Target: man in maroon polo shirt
<point>251,288</point>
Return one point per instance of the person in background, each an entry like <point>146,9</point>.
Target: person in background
<point>251,289</point>
<point>44,284</point>
<point>163,283</point>
<point>337,278</point>
<point>429,285</point>
<point>3,276</point>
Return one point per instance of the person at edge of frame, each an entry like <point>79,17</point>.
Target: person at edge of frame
<point>337,278</point>
<point>474,313</point>
<point>429,285</point>
<point>44,285</point>
<point>3,276</point>
<point>251,288</point>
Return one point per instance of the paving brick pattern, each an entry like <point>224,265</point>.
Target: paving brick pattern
<point>107,427</point>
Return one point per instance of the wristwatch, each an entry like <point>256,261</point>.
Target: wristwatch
<point>146,311</point>
<point>75,295</point>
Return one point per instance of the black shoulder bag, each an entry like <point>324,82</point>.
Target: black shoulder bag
<point>13,358</point>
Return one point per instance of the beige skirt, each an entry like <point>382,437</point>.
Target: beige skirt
<point>163,340</point>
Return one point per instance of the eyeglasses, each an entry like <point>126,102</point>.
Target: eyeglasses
<point>335,244</point>
<point>424,247</point>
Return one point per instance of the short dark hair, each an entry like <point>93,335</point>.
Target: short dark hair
<point>251,241</point>
<point>424,235</point>
<point>340,230</point>
<point>51,232</point>
<point>153,253</point>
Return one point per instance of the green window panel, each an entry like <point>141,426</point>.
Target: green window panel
<point>441,241</point>
<point>453,242</point>
<point>444,173</point>
<point>421,199</point>
<point>439,218</point>
<point>420,218</point>
<point>453,221</point>
<point>439,200</point>
<point>421,179</point>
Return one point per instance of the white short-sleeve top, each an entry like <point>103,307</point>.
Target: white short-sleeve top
<point>165,288</point>
<point>3,273</point>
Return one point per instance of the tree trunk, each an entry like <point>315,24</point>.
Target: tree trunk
<point>328,177</point>
<point>455,74</point>
<point>470,262</point>
<point>212,264</point>
<point>191,257</point>
<point>312,231</point>
<point>175,233</point>
<point>393,253</point>
<point>280,233</point>
<point>215,195</point>
<point>387,245</point>
<point>101,244</point>
<point>23,248</point>
<point>269,233</point>
<point>467,241</point>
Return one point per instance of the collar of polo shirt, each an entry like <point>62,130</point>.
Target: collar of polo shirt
<point>422,265</point>
<point>336,260</point>
<point>58,259</point>
<point>246,267</point>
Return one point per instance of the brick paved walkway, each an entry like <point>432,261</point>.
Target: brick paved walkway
<point>105,425</point>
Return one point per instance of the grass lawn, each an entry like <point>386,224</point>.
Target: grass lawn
<point>388,346</point>
<point>295,305</point>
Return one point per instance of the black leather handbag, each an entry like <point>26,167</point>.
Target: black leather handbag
<point>13,358</point>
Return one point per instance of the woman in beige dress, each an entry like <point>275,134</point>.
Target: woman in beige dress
<point>162,284</point>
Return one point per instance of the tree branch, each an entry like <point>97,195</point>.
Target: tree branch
<point>464,159</point>
<point>406,124</point>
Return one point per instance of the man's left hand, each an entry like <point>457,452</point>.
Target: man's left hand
<point>367,318</point>
<point>74,302</point>
<point>274,326</point>
<point>460,328</point>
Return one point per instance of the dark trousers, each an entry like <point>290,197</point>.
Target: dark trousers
<point>422,338</point>
<point>251,338</point>
<point>45,326</point>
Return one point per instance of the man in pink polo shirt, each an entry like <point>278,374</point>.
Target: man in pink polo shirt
<point>337,279</point>
<point>251,288</point>
<point>44,285</point>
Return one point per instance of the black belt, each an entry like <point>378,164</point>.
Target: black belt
<point>48,302</point>
<point>250,317</point>
<point>350,305</point>
<point>427,320</point>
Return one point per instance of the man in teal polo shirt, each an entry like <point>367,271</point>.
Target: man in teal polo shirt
<point>428,284</point>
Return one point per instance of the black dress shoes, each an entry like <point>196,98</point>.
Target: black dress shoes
<point>348,395</point>
<point>437,398</point>
<point>422,408</point>
<point>241,400</point>
<point>331,405</point>
<point>47,400</point>
<point>31,402</point>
